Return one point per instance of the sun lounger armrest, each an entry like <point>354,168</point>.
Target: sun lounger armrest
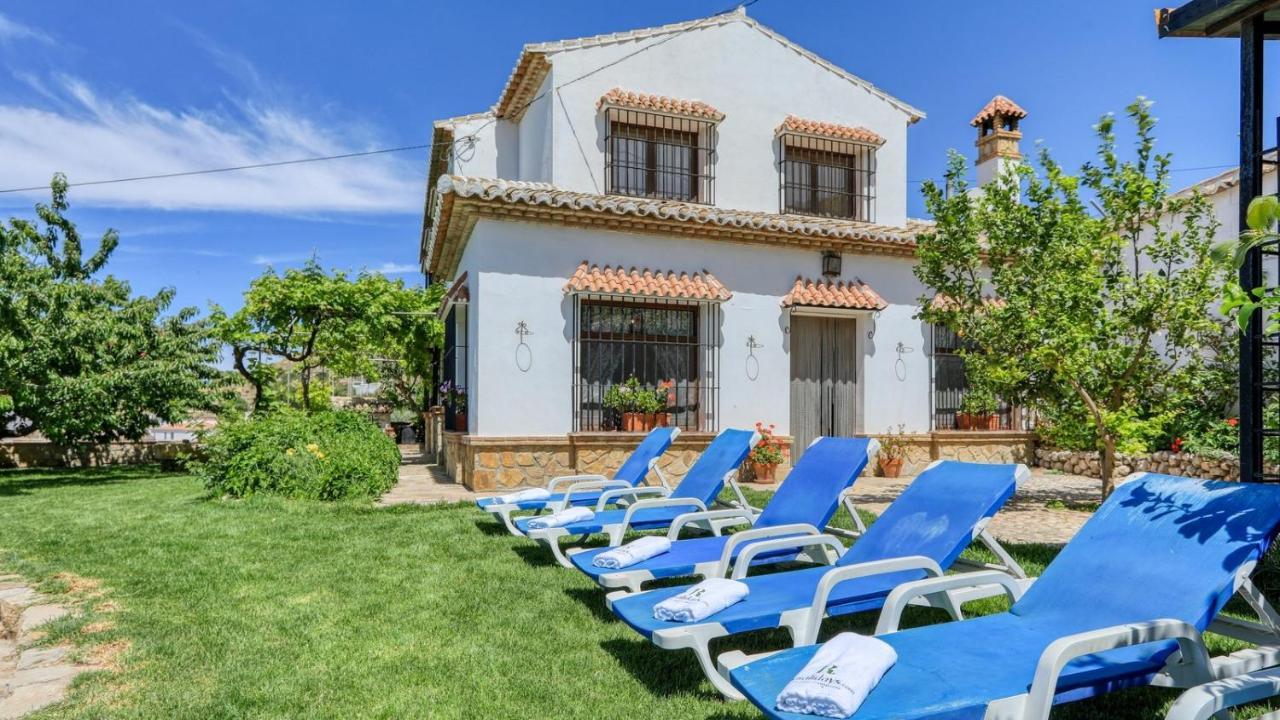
<point>595,485</point>
<point>1065,649</point>
<point>808,633</point>
<point>901,596</point>
<point>795,535</point>
<point>650,503</point>
<point>609,497</point>
<point>1205,701</point>
<point>678,524</point>
<point>570,479</point>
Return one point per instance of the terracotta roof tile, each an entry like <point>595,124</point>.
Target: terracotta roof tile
<point>643,282</point>
<point>831,130</point>
<point>999,105</point>
<point>618,97</point>
<point>833,294</point>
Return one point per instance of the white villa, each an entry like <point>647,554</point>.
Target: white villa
<point>707,207</point>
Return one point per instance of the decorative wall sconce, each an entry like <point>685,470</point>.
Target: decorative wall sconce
<point>753,363</point>
<point>831,263</point>
<point>524,353</point>
<point>900,365</point>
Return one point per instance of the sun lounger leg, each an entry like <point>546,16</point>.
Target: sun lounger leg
<point>504,512</point>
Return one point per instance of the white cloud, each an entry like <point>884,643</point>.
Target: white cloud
<point>391,268</point>
<point>280,259</point>
<point>12,31</point>
<point>91,138</point>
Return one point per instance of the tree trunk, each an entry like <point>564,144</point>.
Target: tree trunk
<point>306,389</point>
<point>1108,465</point>
<point>238,358</point>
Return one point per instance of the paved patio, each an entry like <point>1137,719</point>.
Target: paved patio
<point>1049,508</point>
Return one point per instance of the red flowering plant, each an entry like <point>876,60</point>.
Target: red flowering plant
<point>769,450</point>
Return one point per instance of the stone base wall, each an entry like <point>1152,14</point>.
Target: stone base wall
<point>485,464</point>
<point>968,445</point>
<point>43,454</point>
<point>1088,463</point>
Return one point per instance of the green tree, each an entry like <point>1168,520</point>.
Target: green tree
<point>405,342</point>
<point>315,318</point>
<point>1100,315</point>
<point>83,359</point>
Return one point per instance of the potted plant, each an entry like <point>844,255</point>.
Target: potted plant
<point>766,456</point>
<point>455,398</point>
<point>978,411</point>
<point>636,404</point>
<point>893,450</point>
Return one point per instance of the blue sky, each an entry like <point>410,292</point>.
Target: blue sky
<point>103,90</point>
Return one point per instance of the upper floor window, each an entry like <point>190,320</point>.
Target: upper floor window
<point>668,155</point>
<point>827,170</point>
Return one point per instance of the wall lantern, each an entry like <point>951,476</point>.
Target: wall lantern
<point>831,261</point>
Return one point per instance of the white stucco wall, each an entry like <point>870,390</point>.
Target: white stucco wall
<point>754,80</point>
<point>518,271</point>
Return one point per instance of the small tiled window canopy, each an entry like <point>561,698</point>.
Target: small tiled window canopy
<point>659,147</point>
<point>826,169</point>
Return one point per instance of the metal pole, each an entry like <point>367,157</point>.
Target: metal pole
<point>1251,77</point>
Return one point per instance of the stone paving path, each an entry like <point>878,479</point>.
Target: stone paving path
<point>1048,508</point>
<point>30,677</point>
<point>422,484</point>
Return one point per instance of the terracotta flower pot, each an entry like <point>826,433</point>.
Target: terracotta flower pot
<point>460,422</point>
<point>764,472</point>
<point>890,467</point>
<point>632,422</point>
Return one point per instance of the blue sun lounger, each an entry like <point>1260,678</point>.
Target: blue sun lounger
<point>697,491</point>
<point>803,505</point>
<point>919,535</point>
<point>1124,604</point>
<point>590,489</point>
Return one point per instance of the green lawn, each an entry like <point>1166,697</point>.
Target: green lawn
<point>282,609</point>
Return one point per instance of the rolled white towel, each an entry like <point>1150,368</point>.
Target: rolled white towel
<point>632,553</point>
<point>838,677</point>
<point>562,518</point>
<point>532,494</point>
<point>706,598</point>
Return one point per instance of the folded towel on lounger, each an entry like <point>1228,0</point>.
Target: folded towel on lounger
<point>706,598</point>
<point>562,518</point>
<point>839,676</point>
<point>532,494</point>
<point>632,553</point>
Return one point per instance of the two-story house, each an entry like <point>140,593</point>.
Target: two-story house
<point>706,207</point>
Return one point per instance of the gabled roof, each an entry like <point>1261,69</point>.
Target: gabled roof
<point>532,67</point>
<point>459,201</point>
<point>1227,179</point>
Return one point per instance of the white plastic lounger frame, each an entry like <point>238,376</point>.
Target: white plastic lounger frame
<point>803,623</point>
<point>577,484</point>
<point>1216,683</point>
<point>633,580</point>
<point>551,537</point>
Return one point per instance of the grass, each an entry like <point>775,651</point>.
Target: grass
<point>267,608</point>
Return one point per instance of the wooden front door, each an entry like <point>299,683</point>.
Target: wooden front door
<point>824,374</point>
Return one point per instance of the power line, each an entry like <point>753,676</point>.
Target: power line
<point>211,171</point>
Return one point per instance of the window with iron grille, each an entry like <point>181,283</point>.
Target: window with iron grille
<point>826,177</point>
<point>659,156</point>
<point>950,383</point>
<point>453,359</point>
<point>667,345</point>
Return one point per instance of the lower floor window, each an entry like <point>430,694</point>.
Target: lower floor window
<point>666,350</point>
<point>950,384</point>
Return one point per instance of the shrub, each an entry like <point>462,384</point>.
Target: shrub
<point>323,456</point>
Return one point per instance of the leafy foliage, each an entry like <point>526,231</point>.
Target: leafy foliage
<point>1100,318</point>
<point>81,358</point>
<point>322,456</point>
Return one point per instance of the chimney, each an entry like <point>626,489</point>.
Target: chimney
<point>998,137</point>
